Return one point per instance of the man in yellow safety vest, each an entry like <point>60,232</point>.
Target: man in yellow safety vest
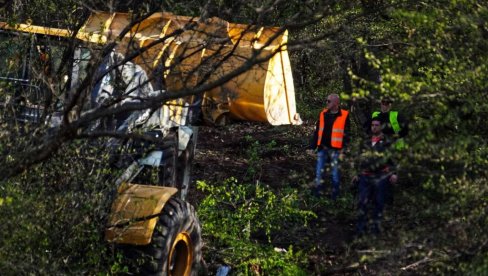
<point>395,127</point>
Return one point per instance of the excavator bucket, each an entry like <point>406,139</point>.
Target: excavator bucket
<point>190,51</point>
<point>186,52</point>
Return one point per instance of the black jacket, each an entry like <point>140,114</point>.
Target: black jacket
<point>375,159</point>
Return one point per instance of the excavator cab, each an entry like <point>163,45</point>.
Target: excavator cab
<point>27,66</point>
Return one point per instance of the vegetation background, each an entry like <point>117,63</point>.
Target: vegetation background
<point>258,217</point>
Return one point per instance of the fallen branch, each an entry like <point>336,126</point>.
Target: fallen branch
<point>374,251</point>
<point>424,260</point>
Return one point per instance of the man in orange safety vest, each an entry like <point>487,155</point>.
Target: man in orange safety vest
<point>330,139</point>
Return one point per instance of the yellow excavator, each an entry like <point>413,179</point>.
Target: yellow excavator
<point>243,73</point>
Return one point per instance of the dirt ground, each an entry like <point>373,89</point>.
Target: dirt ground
<point>222,152</point>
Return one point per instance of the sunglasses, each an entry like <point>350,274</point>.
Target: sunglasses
<point>375,124</point>
<point>385,102</point>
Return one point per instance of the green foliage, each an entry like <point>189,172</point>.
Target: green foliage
<point>44,12</point>
<point>254,155</point>
<point>57,214</point>
<point>432,57</point>
<point>435,72</point>
<point>235,214</point>
<point>248,208</point>
<point>478,266</point>
<point>271,261</point>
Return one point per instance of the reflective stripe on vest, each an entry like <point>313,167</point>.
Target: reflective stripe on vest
<point>337,134</point>
<point>393,120</point>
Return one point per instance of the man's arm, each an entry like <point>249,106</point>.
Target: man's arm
<point>347,134</point>
<point>313,139</point>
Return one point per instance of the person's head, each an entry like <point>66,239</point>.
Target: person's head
<point>375,126</point>
<point>333,102</point>
<point>385,104</point>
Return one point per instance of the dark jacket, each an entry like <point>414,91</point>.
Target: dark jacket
<point>376,159</point>
<point>329,119</point>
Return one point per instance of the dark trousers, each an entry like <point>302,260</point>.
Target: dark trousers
<point>389,194</point>
<point>371,196</point>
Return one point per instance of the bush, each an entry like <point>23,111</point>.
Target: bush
<point>53,216</point>
<point>239,222</point>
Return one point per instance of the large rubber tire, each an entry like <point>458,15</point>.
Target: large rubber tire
<point>175,248</point>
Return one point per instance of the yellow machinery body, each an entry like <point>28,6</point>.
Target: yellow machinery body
<point>263,93</point>
<point>135,212</point>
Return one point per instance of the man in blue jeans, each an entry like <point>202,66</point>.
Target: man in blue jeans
<point>376,174</point>
<point>330,138</point>
<point>395,127</point>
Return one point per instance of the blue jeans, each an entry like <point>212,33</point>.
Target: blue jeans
<point>328,157</point>
<point>371,194</point>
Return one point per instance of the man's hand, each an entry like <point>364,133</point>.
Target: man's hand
<point>393,178</point>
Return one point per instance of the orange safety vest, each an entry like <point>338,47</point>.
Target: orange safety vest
<point>337,134</point>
